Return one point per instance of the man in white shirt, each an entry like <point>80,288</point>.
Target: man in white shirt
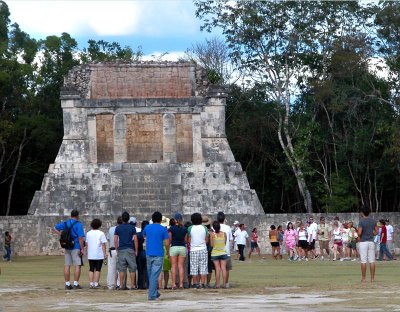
<point>227,230</point>
<point>389,238</point>
<point>242,239</point>
<point>235,232</point>
<point>312,236</point>
<point>112,276</point>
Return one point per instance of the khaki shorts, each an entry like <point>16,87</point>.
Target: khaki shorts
<point>126,258</point>
<point>367,252</point>
<point>175,251</point>
<point>324,244</point>
<point>72,257</point>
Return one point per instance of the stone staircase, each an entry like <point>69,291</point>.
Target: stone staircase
<point>149,187</point>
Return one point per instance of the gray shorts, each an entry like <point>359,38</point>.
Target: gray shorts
<point>126,258</point>
<point>72,257</point>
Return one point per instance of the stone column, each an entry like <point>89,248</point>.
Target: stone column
<point>197,146</point>
<point>92,138</point>
<point>120,138</point>
<point>169,138</point>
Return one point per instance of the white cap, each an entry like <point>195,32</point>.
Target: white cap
<point>132,219</point>
<point>236,222</point>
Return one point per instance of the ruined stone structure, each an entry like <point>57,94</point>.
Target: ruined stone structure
<point>143,137</point>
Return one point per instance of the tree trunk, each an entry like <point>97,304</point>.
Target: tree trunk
<point>20,148</point>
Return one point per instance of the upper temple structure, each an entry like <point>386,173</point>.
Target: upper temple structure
<point>143,137</point>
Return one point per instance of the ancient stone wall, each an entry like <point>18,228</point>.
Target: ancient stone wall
<point>33,235</point>
<point>143,137</point>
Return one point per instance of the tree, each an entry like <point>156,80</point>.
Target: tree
<point>103,51</point>
<point>213,55</point>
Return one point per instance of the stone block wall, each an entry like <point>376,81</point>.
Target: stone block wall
<point>141,82</point>
<point>33,235</point>
<point>184,138</point>
<point>144,138</point>
<point>105,138</point>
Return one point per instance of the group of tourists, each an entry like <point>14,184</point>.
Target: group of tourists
<point>190,251</point>
<point>337,240</point>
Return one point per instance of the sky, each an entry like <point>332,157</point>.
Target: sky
<point>158,26</point>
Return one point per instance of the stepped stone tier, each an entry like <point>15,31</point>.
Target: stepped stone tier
<point>143,137</point>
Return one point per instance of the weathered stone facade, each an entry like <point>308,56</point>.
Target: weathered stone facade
<point>143,137</point>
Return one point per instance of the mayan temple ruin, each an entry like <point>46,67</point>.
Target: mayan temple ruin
<point>143,137</point>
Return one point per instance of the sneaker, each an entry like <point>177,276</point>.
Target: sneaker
<point>68,287</point>
<point>77,287</point>
<point>322,258</point>
<point>306,259</point>
<point>227,285</point>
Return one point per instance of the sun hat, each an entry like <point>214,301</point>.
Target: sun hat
<point>205,220</point>
<point>165,221</point>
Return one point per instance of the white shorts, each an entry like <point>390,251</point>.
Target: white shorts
<point>367,252</point>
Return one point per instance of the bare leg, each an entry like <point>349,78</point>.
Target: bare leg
<point>363,272</point>
<point>77,273</point>
<point>122,278</point>
<point>217,266</point>
<point>174,264</point>
<point>372,271</point>
<point>66,273</point>
<point>96,277</point>
<point>224,271</point>
<point>181,263</point>
<point>91,277</point>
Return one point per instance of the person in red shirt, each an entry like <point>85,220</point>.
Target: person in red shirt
<point>383,248</point>
<point>254,243</point>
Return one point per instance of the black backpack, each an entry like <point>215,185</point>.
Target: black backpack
<point>66,239</point>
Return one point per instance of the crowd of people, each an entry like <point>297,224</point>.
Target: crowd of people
<point>168,253</point>
<point>160,248</point>
<point>336,240</point>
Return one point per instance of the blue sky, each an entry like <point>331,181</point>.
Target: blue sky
<point>156,25</point>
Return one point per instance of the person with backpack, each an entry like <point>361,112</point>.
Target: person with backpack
<point>72,238</point>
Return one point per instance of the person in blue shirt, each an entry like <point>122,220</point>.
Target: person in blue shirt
<point>73,256</point>
<point>155,235</point>
<point>126,244</point>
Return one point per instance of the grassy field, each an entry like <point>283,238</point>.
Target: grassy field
<point>36,284</point>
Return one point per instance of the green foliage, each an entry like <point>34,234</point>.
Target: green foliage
<point>213,76</point>
<point>103,51</point>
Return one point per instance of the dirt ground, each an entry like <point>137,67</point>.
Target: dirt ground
<point>251,290</point>
<point>31,298</point>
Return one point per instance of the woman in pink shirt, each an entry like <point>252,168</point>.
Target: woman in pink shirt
<point>290,238</point>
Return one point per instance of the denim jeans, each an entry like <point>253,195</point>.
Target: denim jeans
<point>7,256</point>
<point>383,250</point>
<point>154,267</point>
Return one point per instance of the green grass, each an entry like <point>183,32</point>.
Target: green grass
<point>41,288</point>
<point>254,273</point>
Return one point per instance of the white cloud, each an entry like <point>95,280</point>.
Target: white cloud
<point>170,56</point>
<point>102,18</point>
